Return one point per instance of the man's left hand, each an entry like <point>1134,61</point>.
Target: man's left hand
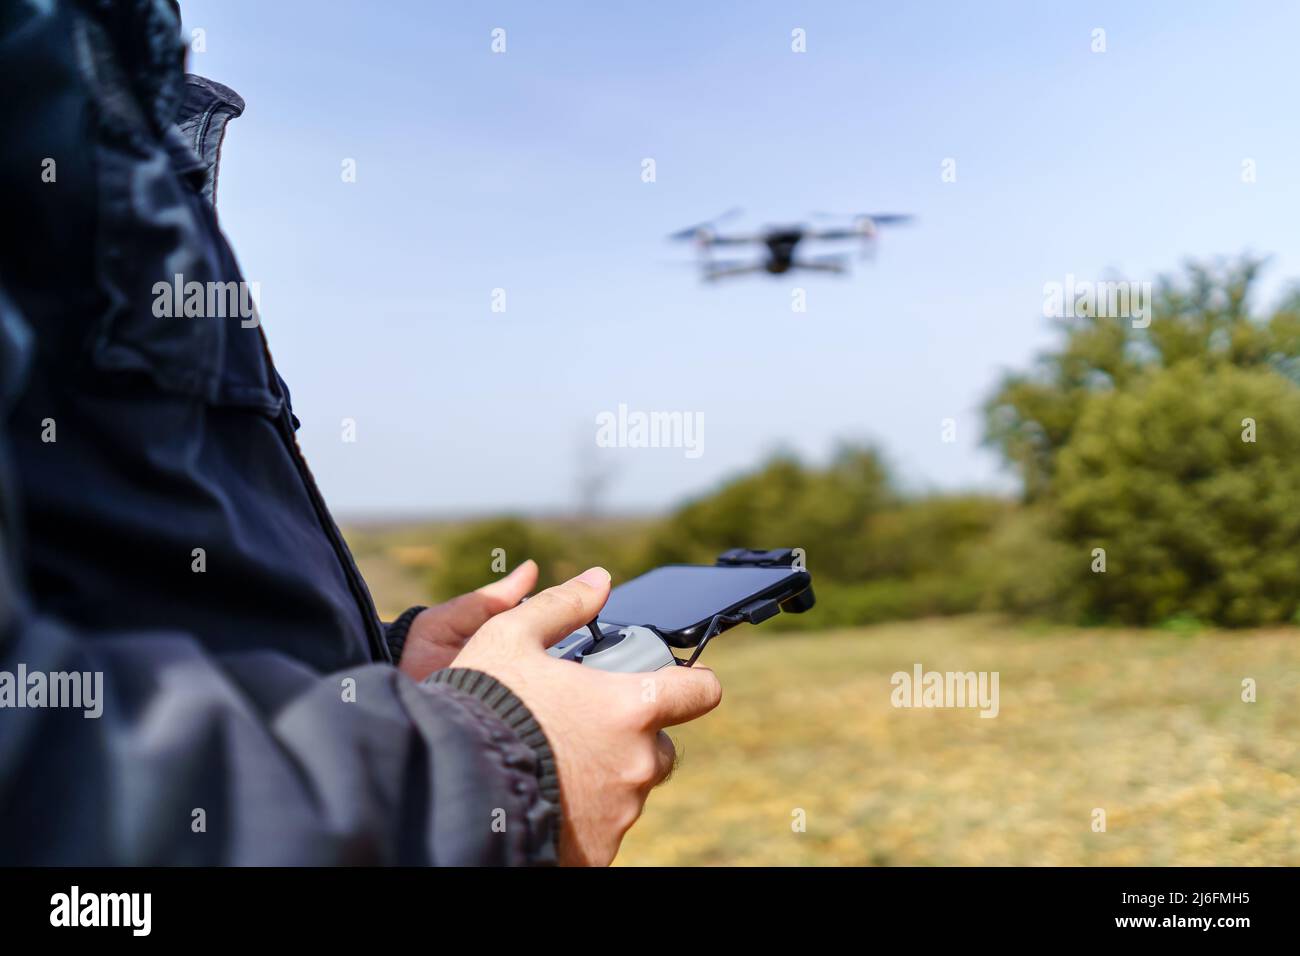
<point>438,633</point>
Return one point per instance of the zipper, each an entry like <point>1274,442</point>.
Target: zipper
<point>360,593</point>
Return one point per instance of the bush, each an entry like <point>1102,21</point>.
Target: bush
<point>469,555</point>
<point>1023,568</point>
<point>1196,522</point>
<point>937,536</point>
<point>782,504</point>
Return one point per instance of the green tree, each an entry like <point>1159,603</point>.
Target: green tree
<point>1190,481</point>
<point>1131,440</point>
<point>1203,316</point>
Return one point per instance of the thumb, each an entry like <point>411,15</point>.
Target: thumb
<point>468,612</point>
<point>505,593</point>
<point>682,694</point>
<point>559,611</point>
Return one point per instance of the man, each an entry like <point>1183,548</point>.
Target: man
<point>175,549</point>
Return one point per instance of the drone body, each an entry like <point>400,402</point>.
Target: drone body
<point>781,242</point>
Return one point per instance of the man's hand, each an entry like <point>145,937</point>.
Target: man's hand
<point>438,633</point>
<point>606,729</point>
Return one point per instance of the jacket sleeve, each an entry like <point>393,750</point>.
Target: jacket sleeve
<point>176,757</point>
<point>143,748</point>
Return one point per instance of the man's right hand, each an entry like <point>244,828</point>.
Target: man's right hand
<point>605,729</point>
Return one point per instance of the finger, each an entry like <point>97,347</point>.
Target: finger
<point>667,752</point>
<point>510,590</point>
<point>684,693</point>
<point>468,612</point>
<point>558,611</point>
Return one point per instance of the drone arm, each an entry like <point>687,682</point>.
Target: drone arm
<point>720,270</point>
<point>834,264</point>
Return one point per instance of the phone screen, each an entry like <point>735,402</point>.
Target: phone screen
<point>677,597</point>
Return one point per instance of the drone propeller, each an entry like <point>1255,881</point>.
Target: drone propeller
<point>706,227</point>
<point>864,226</point>
<point>879,218</point>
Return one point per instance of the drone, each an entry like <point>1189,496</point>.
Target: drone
<point>781,242</point>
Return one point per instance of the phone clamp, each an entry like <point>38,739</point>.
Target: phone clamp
<point>750,558</point>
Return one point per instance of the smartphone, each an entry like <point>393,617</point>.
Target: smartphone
<point>680,600</point>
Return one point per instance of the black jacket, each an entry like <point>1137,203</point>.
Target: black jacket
<point>161,527</point>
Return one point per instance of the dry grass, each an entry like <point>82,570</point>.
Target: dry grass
<point>1148,726</point>
<point>397,561</point>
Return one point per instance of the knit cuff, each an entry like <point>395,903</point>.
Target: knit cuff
<point>395,633</point>
<point>511,710</point>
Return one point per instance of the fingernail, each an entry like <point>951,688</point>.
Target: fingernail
<point>595,577</point>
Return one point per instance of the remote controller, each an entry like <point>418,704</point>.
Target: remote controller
<point>640,648</point>
<point>626,649</point>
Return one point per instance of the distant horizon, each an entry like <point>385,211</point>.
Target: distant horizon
<point>380,518</point>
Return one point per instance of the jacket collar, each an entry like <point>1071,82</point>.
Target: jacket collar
<point>206,107</point>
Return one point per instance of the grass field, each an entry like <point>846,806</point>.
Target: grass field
<point>1148,726</point>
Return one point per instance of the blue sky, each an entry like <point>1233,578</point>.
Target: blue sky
<point>522,171</point>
